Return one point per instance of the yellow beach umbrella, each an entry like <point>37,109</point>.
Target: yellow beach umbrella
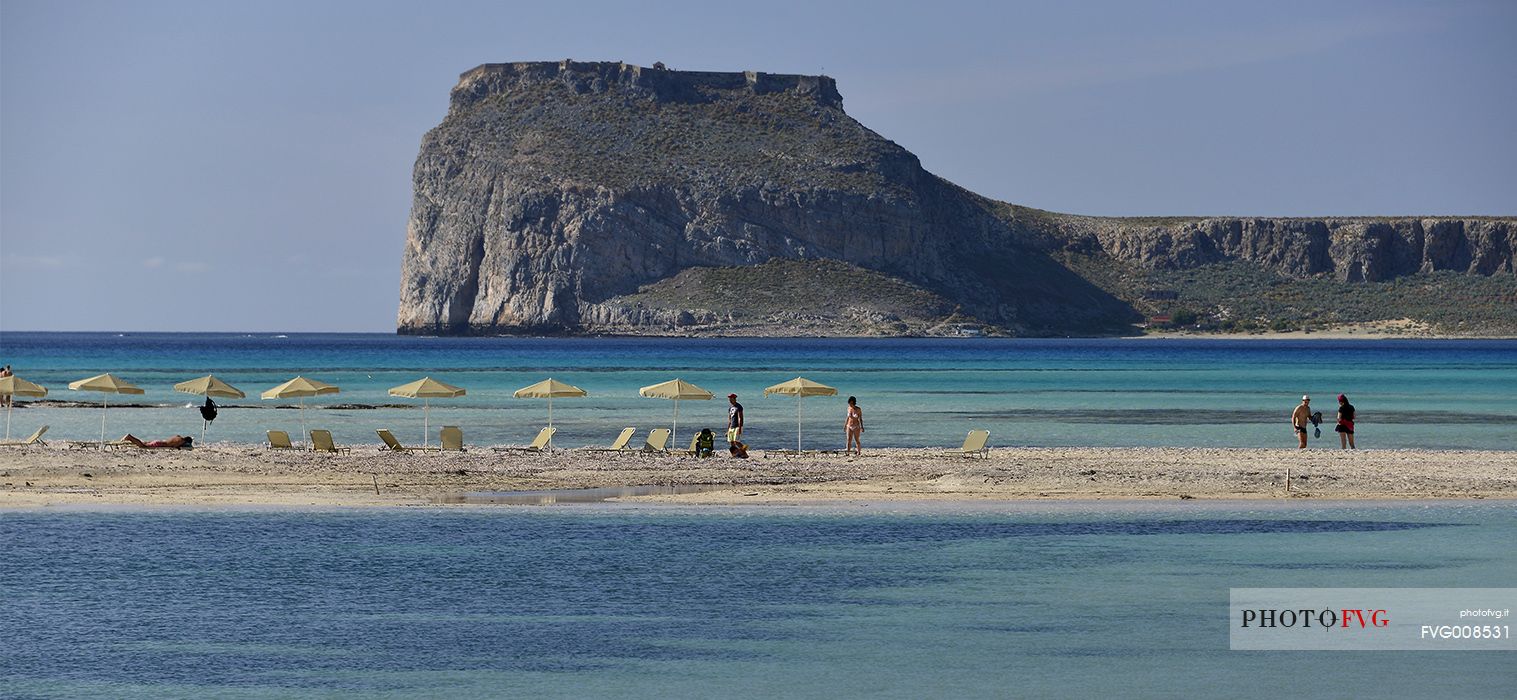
<point>427,389</point>
<point>800,387</point>
<point>106,384</point>
<point>549,389</point>
<point>209,385</point>
<point>300,388</point>
<point>675,390</point>
<point>13,386</point>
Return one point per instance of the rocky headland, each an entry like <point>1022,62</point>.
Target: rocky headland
<point>568,197</point>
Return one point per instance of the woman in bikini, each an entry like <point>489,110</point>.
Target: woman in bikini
<point>1345,425</point>
<point>853,425</point>
<point>178,442</point>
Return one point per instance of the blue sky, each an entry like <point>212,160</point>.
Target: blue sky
<point>246,166</point>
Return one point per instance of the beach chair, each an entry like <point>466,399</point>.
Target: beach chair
<point>280,440</point>
<point>452,438</point>
<point>693,439</point>
<point>321,441</point>
<point>975,445</point>
<point>395,446</point>
<point>658,440</point>
<point>539,443</point>
<point>617,445</point>
<point>35,439</point>
<point>113,444</point>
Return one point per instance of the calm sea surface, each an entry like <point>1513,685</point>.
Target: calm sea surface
<point>1433,394</point>
<point>1011,600</point>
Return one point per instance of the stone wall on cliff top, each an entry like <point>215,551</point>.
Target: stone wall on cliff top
<point>551,187</point>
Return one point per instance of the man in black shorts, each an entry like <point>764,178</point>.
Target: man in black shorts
<point>1300,417</point>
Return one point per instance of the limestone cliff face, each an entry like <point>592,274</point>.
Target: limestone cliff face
<point>1349,249</point>
<point>551,188</point>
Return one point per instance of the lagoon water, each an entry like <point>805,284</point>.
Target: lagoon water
<point>883,600</point>
<point>915,392</point>
<point>1005,600</point>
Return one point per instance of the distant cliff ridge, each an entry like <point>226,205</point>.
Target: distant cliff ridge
<point>1350,249</point>
<point>568,197</point>
<point>657,83</point>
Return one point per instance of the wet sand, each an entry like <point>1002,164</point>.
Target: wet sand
<point>246,475</point>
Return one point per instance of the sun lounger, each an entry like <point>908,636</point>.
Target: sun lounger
<point>539,443</point>
<point>452,439</point>
<point>617,445</point>
<point>35,439</point>
<point>321,441</point>
<point>395,446</point>
<point>658,440</point>
<point>280,440</point>
<point>975,445</point>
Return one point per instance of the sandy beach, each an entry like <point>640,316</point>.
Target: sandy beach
<point>247,475</point>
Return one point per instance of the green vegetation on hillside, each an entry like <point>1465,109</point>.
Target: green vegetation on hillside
<point>1243,297</point>
<point>819,294</point>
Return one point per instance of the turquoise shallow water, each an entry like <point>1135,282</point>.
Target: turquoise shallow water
<point>915,392</point>
<point>909,601</point>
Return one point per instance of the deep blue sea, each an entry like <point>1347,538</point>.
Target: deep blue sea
<point>1077,600</point>
<point>914,392</point>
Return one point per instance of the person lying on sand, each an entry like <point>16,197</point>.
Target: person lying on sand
<point>178,442</point>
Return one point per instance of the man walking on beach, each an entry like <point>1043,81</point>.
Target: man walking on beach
<point>734,419</point>
<point>1300,417</point>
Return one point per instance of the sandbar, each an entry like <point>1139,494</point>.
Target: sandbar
<point>226,474</point>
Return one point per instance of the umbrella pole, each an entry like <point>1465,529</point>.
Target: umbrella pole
<point>8,418</point>
<point>426,420</point>
<point>797,424</point>
<point>105,403</point>
<point>673,434</point>
<point>303,434</point>
<point>550,421</point>
<point>203,425</point>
